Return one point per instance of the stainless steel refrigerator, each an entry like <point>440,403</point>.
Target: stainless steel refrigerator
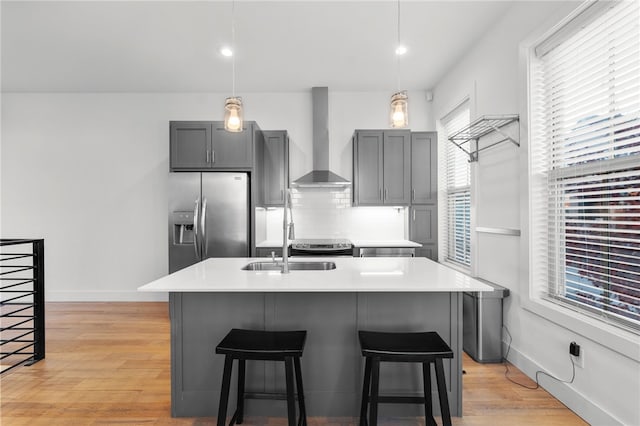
<point>208,217</point>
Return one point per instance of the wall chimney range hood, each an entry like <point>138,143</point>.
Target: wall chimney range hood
<point>320,176</point>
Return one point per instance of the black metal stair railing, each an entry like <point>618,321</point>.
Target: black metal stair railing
<point>21,302</point>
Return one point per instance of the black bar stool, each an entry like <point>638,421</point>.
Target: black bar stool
<point>286,346</point>
<point>426,348</point>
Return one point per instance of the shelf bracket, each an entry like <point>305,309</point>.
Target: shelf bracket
<point>479,128</point>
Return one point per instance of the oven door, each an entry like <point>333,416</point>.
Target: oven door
<point>323,252</point>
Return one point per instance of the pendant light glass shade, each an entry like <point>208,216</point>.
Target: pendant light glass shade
<point>233,114</point>
<point>399,116</point>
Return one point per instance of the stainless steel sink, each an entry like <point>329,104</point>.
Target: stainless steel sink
<point>293,266</point>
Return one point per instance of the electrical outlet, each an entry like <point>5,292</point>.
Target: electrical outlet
<point>577,354</point>
<point>574,349</point>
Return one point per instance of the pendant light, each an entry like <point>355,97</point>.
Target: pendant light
<point>399,116</point>
<point>233,106</point>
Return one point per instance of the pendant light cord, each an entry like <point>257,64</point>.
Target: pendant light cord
<point>233,48</point>
<point>397,55</point>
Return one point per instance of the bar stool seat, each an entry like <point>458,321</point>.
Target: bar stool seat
<point>243,345</point>
<point>423,347</point>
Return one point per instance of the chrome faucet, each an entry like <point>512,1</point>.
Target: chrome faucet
<point>288,231</point>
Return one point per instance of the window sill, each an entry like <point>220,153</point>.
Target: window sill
<point>617,339</point>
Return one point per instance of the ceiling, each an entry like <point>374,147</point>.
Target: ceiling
<point>282,46</point>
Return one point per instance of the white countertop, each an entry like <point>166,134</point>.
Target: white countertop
<point>352,274</point>
<point>385,243</point>
<point>356,243</point>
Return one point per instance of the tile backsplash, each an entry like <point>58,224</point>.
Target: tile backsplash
<point>325,213</point>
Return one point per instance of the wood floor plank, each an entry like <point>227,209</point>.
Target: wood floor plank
<point>109,364</point>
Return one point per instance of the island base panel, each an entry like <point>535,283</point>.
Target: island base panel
<point>332,366</point>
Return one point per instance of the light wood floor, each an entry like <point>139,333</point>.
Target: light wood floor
<point>108,364</point>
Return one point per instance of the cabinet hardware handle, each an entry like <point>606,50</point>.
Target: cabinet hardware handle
<point>196,239</point>
<point>386,194</point>
<point>203,227</point>
<point>208,156</point>
<point>213,156</point>
<point>413,194</point>
<point>414,215</point>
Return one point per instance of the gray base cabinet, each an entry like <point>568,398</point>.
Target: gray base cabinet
<point>429,251</point>
<point>332,365</point>
<point>384,252</point>
<point>205,145</point>
<point>423,229</point>
<point>266,251</point>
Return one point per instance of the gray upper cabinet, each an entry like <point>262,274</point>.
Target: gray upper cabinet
<point>275,167</point>
<point>397,173</point>
<point>381,167</point>
<point>231,149</point>
<point>190,142</point>
<point>424,168</point>
<point>205,145</point>
<point>367,167</point>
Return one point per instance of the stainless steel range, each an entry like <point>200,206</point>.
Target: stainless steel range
<point>322,247</point>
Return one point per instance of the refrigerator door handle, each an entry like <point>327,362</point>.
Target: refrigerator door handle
<point>196,242</point>
<point>203,228</point>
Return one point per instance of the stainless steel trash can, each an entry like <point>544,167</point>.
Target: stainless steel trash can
<point>482,323</point>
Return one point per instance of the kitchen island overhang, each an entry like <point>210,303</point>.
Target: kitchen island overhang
<point>385,294</point>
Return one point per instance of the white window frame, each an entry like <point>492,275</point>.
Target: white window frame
<point>618,339</point>
<point>444,198</point>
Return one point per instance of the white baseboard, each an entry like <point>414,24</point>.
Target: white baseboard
<point>105,296</point>
<point>563,392</point>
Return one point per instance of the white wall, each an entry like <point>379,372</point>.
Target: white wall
<point>88,173</point>
<point>607,390</point>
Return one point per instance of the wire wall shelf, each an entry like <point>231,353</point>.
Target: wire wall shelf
<point>479,128</point>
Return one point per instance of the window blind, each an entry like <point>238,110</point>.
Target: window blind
<point>458,180</point>
<point>585,160</point>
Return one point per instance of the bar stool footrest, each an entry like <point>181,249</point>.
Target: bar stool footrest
<point>268,395</point>
<point>397,399</point>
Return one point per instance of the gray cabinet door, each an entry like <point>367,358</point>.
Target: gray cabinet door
<point>266,251</point>
<point>275,167</point>
<point>231,150</point>
<point>190,142</point>
<point>205,145</point>
<point>424,168</point>
<point>396,160</point>
<point>430,251</point>
<point>423,229</point>
<point>367,168</point>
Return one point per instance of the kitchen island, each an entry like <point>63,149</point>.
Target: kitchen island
<point>385,294</point>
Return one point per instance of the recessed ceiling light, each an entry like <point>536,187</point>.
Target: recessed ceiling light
<point>401,50</point>
<point>226,51</point>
